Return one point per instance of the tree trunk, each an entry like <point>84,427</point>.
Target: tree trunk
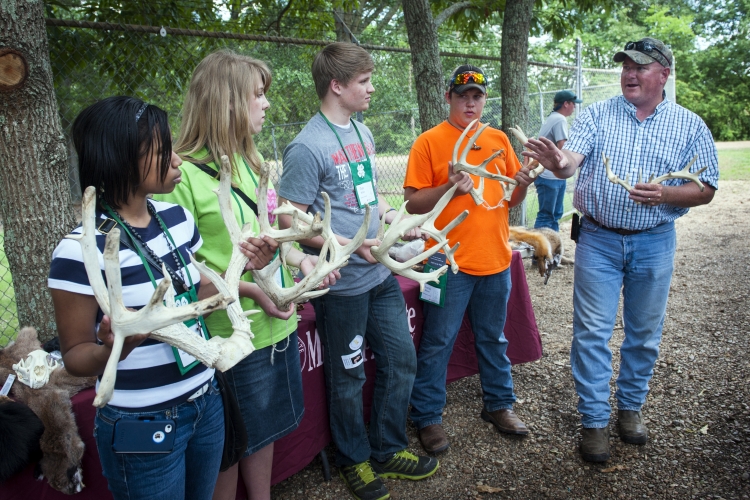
<point>425,58</point>
<point>35,203</point>
<point>515,88</point>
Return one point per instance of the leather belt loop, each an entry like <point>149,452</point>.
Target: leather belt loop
<point>623,232</point>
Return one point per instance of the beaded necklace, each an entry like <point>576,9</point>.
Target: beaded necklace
<point>176,278</point>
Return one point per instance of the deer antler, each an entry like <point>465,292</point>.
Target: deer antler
<point>461,165</point>
<point>163,321</point>
<point>304,226</point>
<point>682,174</point>
<point>613,178</point>
<point>332,256</point>
<point>399,227</point>
<point>518,133</point>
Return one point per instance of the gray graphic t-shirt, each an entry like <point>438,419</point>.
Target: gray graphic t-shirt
<point>314,162</point>
<point>555,128</point>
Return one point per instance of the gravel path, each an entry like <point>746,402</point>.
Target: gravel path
<point>698,410</point>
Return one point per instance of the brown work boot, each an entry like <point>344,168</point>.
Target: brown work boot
<point>433,438</point>
<point>595,444</point>
<point>631,428</point>
<point>506,421</point>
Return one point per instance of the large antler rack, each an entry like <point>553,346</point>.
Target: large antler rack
<point>304,226</point>
<point>400,226</point>
<point>681,174</point>
<point>461,165</point>
<point>164,322</point>
<point>534,170</point>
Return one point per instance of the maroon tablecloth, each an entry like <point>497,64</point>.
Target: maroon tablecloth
<point>293,452</point>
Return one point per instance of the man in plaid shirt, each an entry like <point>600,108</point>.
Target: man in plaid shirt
<point>627,239</point>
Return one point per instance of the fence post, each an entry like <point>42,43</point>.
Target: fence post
<point>275,149</point>
<point>579,74</point>
<point>670,87</point>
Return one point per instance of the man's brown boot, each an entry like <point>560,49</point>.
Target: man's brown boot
<point>433,438</point>
<point>506,421</point>
<point>595,444</point>
<point>631,428</point>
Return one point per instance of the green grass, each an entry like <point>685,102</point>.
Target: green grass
<point>734,164</point>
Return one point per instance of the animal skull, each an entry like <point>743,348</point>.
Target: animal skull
<point>35,370</point>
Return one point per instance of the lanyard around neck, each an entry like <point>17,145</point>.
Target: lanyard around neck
<point>166,233</point>
<point>339,138</point>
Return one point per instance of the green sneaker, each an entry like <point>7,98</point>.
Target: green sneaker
<point>363,482</point>
<point>405,465</point>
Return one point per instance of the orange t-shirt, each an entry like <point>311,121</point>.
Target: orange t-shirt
<point>483,234</point>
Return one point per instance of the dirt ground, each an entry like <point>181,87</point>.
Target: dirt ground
<point>697,410</point>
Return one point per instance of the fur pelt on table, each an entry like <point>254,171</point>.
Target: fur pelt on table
<point>62,447</point>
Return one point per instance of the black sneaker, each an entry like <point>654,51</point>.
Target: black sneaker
<point>405,465</point>
<point>363,483</point>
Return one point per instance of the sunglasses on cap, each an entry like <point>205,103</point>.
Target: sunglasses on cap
<point>644,47</point>
<point>469,77</point>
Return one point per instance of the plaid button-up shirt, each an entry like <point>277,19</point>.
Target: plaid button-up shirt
<point>664,142</point>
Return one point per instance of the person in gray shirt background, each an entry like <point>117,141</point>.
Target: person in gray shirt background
<point>551,190</point>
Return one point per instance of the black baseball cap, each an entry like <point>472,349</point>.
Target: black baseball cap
<point>467,77</point>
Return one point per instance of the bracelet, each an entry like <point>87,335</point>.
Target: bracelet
<point>389,210</point>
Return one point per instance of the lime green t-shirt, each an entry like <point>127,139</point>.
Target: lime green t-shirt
<point>196,193</point>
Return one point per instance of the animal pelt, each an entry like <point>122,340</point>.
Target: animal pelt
<point>61,446</point>
<point>20,431</point>
<point>546,242</point>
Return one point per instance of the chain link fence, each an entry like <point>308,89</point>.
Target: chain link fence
<point>91,61</point>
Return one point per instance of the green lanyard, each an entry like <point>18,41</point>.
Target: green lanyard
<point>333,129</point>
<point>361,171</point>
<point>167,234</point>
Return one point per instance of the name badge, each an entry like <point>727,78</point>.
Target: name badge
<point>186,361</point>
<point>364,187</point>
<point>435,293</point>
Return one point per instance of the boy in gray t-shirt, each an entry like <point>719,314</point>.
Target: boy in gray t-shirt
<point>365,307</point>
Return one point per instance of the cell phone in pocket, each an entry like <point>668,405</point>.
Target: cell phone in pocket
<point>143,436</point>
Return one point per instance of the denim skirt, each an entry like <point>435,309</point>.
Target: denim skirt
<point>269,394</point>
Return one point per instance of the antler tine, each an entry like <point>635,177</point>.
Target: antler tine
<point>293,233</point>
<point>87,240</point>
<point>682,174</point>
<point>613,178</point>
<point>400,226</point>
<point>460,140</point>
<point>441,235</point>
<point>518,133</point>
<point>225,203</point>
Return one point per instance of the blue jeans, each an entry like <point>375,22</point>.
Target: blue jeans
<point>641,266</point>
<point>378,316</point>
<point>486,300</point>
<point>188,472</point>
<point>550,194</point>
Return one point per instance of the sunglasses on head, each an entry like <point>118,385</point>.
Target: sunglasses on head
<point>469,77</point>
<point>644,47</point>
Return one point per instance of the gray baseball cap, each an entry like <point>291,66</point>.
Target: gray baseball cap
<point>645,51</point>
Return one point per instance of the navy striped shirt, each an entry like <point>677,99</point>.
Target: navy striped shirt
<point>149,377</point>
<point>664,142</point>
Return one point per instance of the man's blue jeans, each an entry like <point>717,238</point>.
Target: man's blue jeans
<point>641,266</point>
<point>550,194</point>
<point>189,472</point>
<point>379,317</point>
<point>485,298</point>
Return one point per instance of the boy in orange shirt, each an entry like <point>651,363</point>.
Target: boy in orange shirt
<point>482,286</point>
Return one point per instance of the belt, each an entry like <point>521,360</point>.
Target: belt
<point>201,391</point>
<point>624,232</point>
